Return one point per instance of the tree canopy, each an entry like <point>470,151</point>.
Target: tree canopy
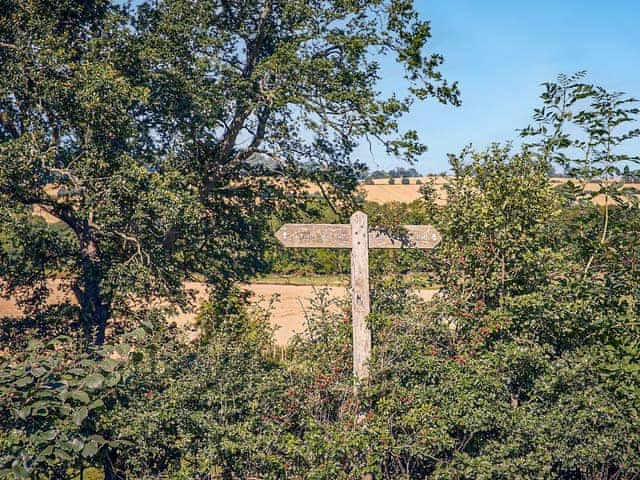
<point>164,139</point>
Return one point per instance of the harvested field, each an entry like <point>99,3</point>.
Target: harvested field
<point>382,192</point>
<point>288,313</point>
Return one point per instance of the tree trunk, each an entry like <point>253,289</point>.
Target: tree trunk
<point>95,310</point>
<point>109,466</point>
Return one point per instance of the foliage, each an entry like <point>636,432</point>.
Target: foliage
<point>168,142</point>
<point>165,139</point>
<point>497,226</point>
<point>51,400</point>
<point>584,129</point>
<point>501,376</point>
<point>207,408</point>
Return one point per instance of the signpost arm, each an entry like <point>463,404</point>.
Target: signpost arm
<point>360,295</point>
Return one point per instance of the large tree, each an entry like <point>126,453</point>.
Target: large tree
<point>163,140</point>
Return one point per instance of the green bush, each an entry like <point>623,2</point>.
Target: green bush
<point>51,402</point>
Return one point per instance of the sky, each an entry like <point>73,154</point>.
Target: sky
<point>500,52</point>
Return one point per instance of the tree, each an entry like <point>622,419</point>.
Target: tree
<point>400,172</point>
<point>585,128</point>
<point>377,174</point>
<point>164,140</point>
<point>67,123</point>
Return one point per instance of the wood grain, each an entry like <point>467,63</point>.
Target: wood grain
<point>360,295</point>
<point>318,235</point>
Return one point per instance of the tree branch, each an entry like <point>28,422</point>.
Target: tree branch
<point>242,109</point>
<point>9,46</point>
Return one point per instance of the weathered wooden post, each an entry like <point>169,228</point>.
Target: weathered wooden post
<point>359,239</point>
<point>361,304</point>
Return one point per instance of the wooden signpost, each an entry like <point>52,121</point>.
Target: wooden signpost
<point>359,239</point>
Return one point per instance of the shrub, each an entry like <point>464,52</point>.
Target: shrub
<point>51,402</point>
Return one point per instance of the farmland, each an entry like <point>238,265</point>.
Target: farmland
<point>382,192</point>
<point>287,317</point>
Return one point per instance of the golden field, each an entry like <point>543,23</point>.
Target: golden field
<point>382,192</point>
<point>288,314</point>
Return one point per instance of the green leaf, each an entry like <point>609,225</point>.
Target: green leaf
<point>97,438</point>
<point>90,449</point>
<point>113,380</point>
<point>79,415</point>
<point>19,471</point>
<point>62,455</point>
<point>48,435</point>
<point>97,404</point>
<point>48,450</point>
<point>24,381</point>
<point>80,396</point>
<point>138,333</point>
<point>109,365</point>
<point>24,412</point>
<point>77,444</point>
<point>94,381</point>
<point>38,372</point>
<point>123,349</point>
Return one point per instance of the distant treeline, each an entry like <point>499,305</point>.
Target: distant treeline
<point>398,172</point>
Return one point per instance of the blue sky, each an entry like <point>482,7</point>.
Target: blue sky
<point>500,52</point>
